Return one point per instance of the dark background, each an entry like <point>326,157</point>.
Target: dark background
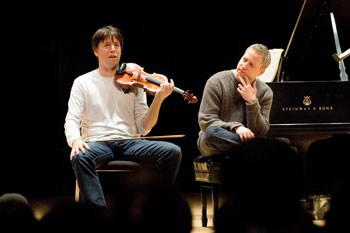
<point>46,45</point>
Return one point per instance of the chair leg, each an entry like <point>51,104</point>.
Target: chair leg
<point>204,206</point>
<point>76,191</point>
<point>215,201</point>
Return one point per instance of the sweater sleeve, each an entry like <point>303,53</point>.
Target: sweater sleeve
<point>210,108</point>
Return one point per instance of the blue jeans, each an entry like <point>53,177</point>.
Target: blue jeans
<point>217,140</point>
<point>164,157</point>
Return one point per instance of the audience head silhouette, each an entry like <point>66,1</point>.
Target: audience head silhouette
<point>264,179</point>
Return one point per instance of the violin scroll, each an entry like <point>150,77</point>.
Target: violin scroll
<point>190,97</point>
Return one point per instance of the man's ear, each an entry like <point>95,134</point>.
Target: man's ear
<point>261,72</point>
<point>95,52</point>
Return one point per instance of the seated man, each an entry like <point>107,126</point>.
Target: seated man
<point>235,106</point>
<point>100,111</point>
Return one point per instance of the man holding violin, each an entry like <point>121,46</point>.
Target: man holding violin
<point>100,112</point>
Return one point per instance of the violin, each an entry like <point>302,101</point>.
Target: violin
<point>130,75</point>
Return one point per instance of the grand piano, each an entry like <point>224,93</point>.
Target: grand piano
<point>311,88</point>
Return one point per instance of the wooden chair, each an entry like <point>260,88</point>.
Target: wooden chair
<point>112,166</point>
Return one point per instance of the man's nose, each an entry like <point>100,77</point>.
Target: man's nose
<point>245,65</point>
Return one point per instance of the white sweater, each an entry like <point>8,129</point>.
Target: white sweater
<point>100,110</point>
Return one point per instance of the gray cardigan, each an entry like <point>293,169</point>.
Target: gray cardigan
<point>222,105</point>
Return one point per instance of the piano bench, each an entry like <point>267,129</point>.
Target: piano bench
<point>208,172</point>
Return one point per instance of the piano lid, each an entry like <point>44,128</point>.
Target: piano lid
<point>308,56</point>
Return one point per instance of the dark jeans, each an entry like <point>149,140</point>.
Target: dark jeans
<point>164,157</point>
<point>217,140</point>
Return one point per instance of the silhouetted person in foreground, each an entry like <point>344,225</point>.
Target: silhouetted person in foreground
<point>154,210</point>
<point>337,219</point>
<point>70,216</point>
<point>327,164</point>
<point>16,214</point>
<point>148,207</point>
<point>328,173</point>
<point>264,181</point>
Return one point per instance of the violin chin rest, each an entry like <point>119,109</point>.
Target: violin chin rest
<point>121,68</point>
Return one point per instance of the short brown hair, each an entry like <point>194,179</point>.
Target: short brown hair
<point>104,33</point>
<point>264,52</point>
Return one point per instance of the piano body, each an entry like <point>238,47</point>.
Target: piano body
<point>311,89</point>
<point>305,111</point>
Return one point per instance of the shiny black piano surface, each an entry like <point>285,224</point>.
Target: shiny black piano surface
<point>312,107</point>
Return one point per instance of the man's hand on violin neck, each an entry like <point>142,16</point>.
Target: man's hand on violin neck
<point>165,89</point>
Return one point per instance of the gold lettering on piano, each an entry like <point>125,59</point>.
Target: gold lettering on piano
<point>325,108</point>
<point>307,107</point>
